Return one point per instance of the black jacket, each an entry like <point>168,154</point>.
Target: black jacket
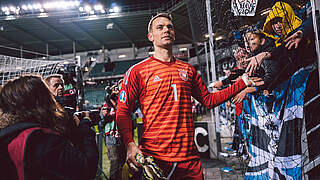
<point>50,155</point>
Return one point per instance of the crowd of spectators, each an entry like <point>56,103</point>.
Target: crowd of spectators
<point>273,52</point>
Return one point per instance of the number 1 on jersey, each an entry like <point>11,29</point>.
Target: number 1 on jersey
<point>175,92</point>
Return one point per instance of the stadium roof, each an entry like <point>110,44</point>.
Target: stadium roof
<point>56,32</point>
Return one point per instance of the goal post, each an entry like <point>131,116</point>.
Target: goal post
<point>12,67</point>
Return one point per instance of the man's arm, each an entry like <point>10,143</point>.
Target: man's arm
<point>210,100</point>
<point>240,96</point>
<point>129,93</point>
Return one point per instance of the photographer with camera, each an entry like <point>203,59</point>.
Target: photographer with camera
<point>115,146</point>
<point>55,83</point>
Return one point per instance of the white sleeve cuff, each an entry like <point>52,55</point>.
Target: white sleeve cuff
<point>245,79</point>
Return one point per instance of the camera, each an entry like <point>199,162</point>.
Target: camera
<point>110,95</point>
<point>94,116</point>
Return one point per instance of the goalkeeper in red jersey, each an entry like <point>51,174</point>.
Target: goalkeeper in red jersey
<point>163,85</point>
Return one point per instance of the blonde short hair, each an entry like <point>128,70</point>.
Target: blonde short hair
<point>166,15</point>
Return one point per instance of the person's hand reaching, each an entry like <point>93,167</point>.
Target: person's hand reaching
<point>294,40</point>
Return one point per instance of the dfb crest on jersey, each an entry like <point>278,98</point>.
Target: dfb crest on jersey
<point>183,74</point>
<point>123,96</point>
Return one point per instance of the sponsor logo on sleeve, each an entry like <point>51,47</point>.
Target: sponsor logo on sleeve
<point>123,96</point>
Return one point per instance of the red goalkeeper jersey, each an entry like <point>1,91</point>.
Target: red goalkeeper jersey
<point>164,91</point>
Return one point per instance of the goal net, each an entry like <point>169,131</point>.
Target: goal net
<point>12,67</point>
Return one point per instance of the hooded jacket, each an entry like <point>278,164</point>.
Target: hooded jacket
<point>289,20</point>
<point>295,58</point>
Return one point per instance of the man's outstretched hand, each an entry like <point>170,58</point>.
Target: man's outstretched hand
<point>132,151</point>
<point>257,81</point>
<point>253,65</point>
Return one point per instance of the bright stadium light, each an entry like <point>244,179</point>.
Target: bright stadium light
<point>47,5</point>
<point>72,4</point>
<point>77,3</point>
<point>13,9</point>
<point>87,8</point>
<point>30,7</point>
<point>98,7</point>
<point>24,7</point>
<point>17,11</point>
<point>63,4</point>
<point>36,6</point>
<point>60,5</point>
<point>55,5</point>
<point>5,9</point>
<point>183,49</point>
<point>116,9</point>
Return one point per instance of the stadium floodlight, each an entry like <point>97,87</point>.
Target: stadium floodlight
<point>30,7</point>
<point>47,5</point>
<point>17,11</point>
<point>63,5</point>
<point>24,7</point>
<point>116,9</point>
<point>76,3</point>
<point>72,4</point>
<point>37,6</point>
<point>5,8</point>
<point>98,7</point>
<point>183,49</point>
<point>87,8</point>
<point>55,5</point>
<point>12,8</point>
